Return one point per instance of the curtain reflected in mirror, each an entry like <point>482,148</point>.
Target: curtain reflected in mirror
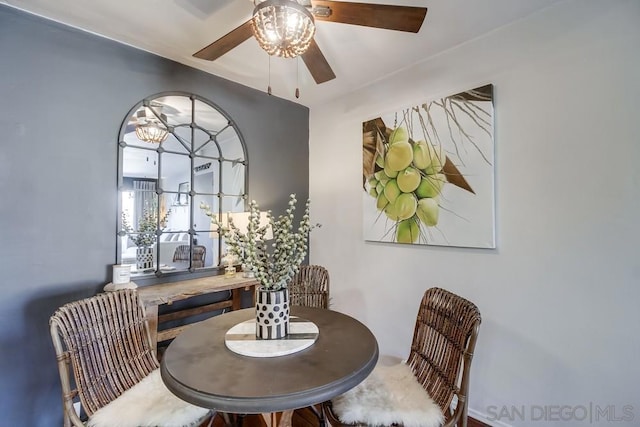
<point>163,181</point>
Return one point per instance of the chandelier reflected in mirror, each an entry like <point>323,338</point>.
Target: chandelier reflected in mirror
<point>149,128</point>
<point>283,27</point>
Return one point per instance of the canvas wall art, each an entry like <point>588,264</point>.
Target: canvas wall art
<point>428,172</point>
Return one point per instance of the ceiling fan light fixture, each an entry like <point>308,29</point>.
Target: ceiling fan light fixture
<point>149,128</point>
<point>151,132</point>
<point>283,27</point>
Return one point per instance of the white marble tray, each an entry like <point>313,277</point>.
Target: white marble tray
<point>242,339</point>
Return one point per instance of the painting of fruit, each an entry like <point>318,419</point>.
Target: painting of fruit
<point>428,172</point>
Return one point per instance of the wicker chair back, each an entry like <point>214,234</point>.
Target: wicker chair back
<point>442,348</point>
<point>102,342</point>
<point>310,287</point>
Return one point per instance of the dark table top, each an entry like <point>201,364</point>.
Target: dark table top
<point>200,369</point>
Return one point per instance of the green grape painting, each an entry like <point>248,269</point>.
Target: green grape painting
<point>428,173</point>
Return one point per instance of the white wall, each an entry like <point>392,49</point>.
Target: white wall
<point>559,295</point>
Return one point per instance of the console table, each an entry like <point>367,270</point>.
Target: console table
<point>167,293</point>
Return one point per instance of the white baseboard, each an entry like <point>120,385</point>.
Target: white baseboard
<point>480,416</point>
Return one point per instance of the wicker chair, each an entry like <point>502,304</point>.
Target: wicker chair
<point>103,349</point>
<point>183,252</point>
<point>310,287</point>
<point>444,338</point>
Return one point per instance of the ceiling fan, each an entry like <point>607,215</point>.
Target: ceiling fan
<point>388,17</point>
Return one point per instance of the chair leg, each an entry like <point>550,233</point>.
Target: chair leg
<point>233,420</point>
<point>226,418</point>
<point>464,414</point>
<point>322,422</point>
<point>208,422</point>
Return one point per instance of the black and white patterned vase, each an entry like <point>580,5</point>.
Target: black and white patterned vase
<point>144,258</point>
<point>272,314</point>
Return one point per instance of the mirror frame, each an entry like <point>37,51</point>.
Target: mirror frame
<point>121,144</point>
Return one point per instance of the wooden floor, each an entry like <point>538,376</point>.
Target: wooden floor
<point>306,418</point>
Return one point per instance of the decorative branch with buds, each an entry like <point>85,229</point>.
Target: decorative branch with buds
<point>273,264</point>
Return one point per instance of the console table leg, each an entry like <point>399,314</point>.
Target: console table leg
<point>236,299</point>
<point>151,312</point>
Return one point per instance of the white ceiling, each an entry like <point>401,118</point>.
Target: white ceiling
<point>176,29</point>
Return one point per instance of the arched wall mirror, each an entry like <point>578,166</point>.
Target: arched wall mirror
<point>175,152</point>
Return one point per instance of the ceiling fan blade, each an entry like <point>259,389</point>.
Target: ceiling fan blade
<point>227,42</point>
<point>317,64</point>
<point>390,17</point>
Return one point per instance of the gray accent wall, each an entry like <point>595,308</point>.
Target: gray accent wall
<point>63,96</point>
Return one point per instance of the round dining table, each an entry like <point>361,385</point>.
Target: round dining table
<point>200,368</point>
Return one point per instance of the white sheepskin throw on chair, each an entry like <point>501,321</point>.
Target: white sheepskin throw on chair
<point>148,404</point>
<point>391,394</point>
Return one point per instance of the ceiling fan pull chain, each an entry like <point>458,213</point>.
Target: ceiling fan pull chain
<point>297,77</point>
<point>269,87</point>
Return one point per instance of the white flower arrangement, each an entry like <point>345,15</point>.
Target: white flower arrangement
<point>273,264</point>
<point>145,235</point>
